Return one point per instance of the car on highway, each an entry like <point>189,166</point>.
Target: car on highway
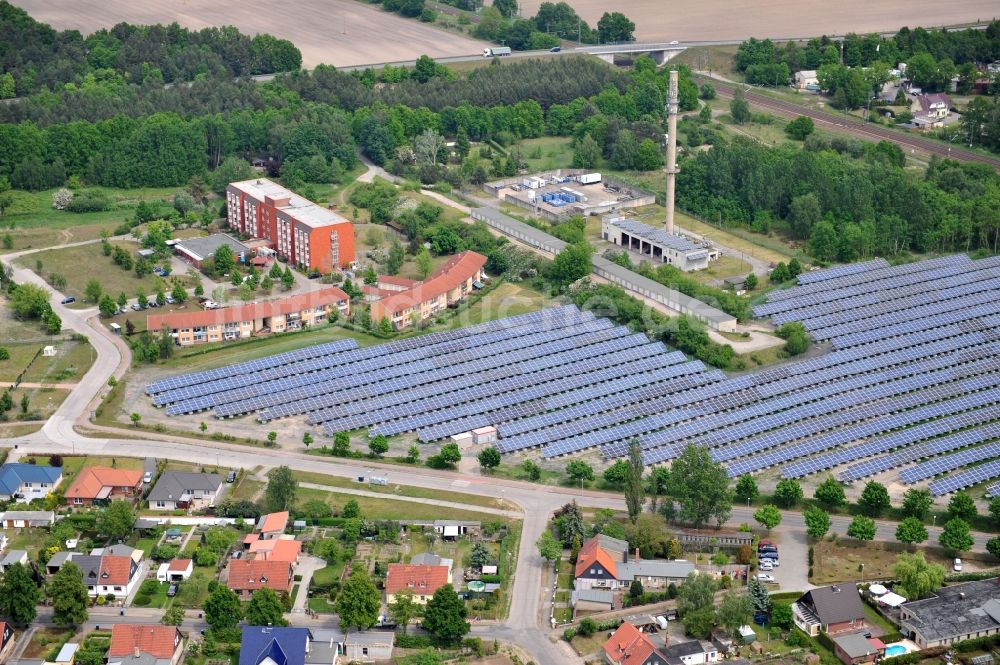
<point>764,577</point>
<point>555,49</point>
<point>674,43</point>
<point>67,300</point>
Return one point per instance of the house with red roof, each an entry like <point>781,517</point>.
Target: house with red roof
<point>276,549</point>
<point>607,563</point>
<point>145,644</point>
<point>246,576</point>
<point>99,485</point>
<point>272,525</point>
<point>419,580</point>
<point>629,646</point>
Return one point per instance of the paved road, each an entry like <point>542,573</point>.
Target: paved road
<point>851,125</point>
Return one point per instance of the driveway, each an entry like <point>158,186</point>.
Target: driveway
<point>308,564</point>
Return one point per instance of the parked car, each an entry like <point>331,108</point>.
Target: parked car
<point>766,543</point>
<point>766,565</point>
<point>764,577</point>
<point>957,566</point>
<point>136,306</point>
<point>147,477</point>
<point>774,562</point>
<point>67,300</point>
<point>231,478</point>
<point>172,590</point>
<point>170,300</point>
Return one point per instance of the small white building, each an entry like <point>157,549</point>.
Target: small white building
<point>49,351</point>
<point>484,435</point>
<point>177,570</point>
<point>806,79</point>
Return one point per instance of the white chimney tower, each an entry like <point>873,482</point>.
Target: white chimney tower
<point>671,148</point>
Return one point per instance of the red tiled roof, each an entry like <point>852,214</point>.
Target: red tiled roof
<point>115,570</point>
<point>209,317</point>
<point>628,646</point>
<point>420,579</point>
<point>397,281</point>
<point>91,480</point>
<point>592,552</point>
<point>179,565</point>
<point>250,575</point>
<point>276,549</point>
<point>154,639</point>
<point>452,274</point>
<point>274,522</point>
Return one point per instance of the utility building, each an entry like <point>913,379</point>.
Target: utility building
<point>658,245</point>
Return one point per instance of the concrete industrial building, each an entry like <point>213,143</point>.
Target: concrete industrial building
<point>453,282</point>
<point>300,231</point>
<point>196,250</point>
<point>658,245</point>
<point>231,323</point>
<point>558,195</point>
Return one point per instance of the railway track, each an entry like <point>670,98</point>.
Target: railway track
<point>855,127</point>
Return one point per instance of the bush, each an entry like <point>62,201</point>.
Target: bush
<point>587,627</point>
<point>569,634</point>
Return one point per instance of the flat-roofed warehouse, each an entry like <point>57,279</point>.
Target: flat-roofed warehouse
<point>657,244</point>
<point>196,250</point>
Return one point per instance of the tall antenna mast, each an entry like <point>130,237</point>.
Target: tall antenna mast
<point>671,148</point>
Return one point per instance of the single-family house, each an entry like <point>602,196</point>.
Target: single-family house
<point>934,106</point>
<point>18,519</point>
<point>98,485</point>
<point>6,640</point>
<point>272,525</point>
<point>954,613</point>
<point>12,557</point>
<point>104,573</point>
<point>630,646</point>
<point>830,609</point>
<point>246,576</point>
<point>184,490</point>
<point>24,482</point>
<point>276,549</point>
<point>145,644</point>
<point>606,563</point>
<point>369,646</point>
<point>692,652</point>
<point>855,648</point>
<point>177,570</point>
<point>282,645</point>
<point>421,581</point>
<point>431,559</point>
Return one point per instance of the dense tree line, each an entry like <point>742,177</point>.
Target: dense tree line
<point>37,57</point>
<point>847,207</point>
<point>955,46</point>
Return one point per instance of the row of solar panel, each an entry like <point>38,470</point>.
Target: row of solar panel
<point>251,366</point>
<point>904,439</point>
<point>874,280</point>
<point>319,369</point>
<point>939,465</point>
<point>963,479</point>
<point>793,391</point>
<point>483,397</point>
<point>631,354</point>
<point>841,271</point>
<point>385,365</point>
<point>874,304</point>
<point>521,349</point>
<point>934,402</point>
<point>962,320</point>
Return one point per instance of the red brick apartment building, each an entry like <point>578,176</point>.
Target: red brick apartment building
<point>307,234</point>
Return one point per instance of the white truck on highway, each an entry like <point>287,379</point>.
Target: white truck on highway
<point>496,51</point>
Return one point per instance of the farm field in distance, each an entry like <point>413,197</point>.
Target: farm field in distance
<point>336,32</point>
<point>725,20</point>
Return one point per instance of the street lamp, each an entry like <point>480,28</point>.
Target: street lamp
<point>862,574</point>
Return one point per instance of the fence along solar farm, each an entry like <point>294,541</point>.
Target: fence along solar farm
<point>910,382</point>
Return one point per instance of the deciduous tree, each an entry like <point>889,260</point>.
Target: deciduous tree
<point>768,516</point>
<point>817,522</point>
<point>19,595</point>
<point>264,609</point>
<point>444,617</point>
<point>917,578</point>
<point>701,487</point>
<point>874,499</point>
<point>911,531</point>
<point>830,494</point>
<point>279,494</point>
<point>359,602</point>
<point>861,528</point>
<point>69,596</point>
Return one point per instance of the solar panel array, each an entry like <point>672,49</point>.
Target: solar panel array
<point>910,381</point>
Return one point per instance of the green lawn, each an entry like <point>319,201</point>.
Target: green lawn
<point>67,261</point>
<point>71,362</point>
<point>505,300</point>
<point>321,605</point>
<point>565,581</point>
<point>246,490</point>
<point>74,464</point>
<point>328,574</point>
<point>547,153</point>
<point>42,402</point>
<point>389,509</point>
<point>398,490</point>
<point>36,224</point>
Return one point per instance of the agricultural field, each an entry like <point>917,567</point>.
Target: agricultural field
<point>723,20</point>
<point>337,32</point>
